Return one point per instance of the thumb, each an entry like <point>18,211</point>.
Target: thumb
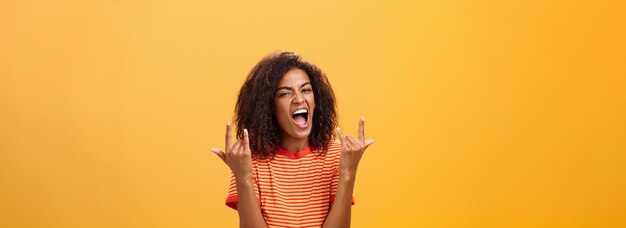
<point>369,142</point>
<point>219,153</point>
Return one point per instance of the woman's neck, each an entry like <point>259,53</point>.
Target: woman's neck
<point>294,145</point>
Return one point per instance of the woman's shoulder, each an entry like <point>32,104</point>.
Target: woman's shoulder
<point>333,150</point>
<point>335,145</point>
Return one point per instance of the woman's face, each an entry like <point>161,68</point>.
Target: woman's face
<point>294,104</point>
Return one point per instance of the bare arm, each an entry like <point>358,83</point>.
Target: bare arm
<point>239,159</point>
<point>351,152</point>
<point>341,208</point>
<point>247,207</point>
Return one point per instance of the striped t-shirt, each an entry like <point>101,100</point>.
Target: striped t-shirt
<point>295,188</point>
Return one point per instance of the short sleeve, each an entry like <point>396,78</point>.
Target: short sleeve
<point>336,148</point>
<point>231,198</point>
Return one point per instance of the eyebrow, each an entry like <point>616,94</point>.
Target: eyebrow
<point>289,88</point>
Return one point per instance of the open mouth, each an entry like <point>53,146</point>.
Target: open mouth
<point>301,118</point>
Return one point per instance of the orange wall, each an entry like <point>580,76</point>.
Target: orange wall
<point>485,114</point>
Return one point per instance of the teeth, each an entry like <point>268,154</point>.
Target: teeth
<point>299,111</point>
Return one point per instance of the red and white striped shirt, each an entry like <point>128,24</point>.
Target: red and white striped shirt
<point>295,188</point>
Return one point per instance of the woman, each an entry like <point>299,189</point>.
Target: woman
<point>287,170</point>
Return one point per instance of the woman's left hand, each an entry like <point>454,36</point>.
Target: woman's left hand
<point>352,150</point>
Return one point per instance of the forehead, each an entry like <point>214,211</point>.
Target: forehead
<point>294,78</point>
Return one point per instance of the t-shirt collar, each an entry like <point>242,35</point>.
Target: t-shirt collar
<point>294,155</point>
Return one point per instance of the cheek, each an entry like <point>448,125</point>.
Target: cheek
<point>281,110</point>
<point>311,101</point>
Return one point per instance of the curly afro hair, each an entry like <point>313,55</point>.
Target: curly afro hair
<point>255,105</point>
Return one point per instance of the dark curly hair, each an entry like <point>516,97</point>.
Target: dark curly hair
<point>255,105</point>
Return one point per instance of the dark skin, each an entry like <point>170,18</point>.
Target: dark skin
<point>239,159</point>
<point>294,92</point>
<point>351,153</point>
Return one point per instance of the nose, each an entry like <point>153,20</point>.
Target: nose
<point>299,98</point>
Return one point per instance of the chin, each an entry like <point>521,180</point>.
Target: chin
<point>299,134</point>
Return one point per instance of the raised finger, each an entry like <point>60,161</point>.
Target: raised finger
<point>229,137</point>
<point>246,139</point>
<point>343,144</point>
<point>361,133</point>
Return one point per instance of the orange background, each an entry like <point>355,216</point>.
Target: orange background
<point>485,113</point>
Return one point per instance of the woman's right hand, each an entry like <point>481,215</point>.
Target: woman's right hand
<point>237,156</point>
